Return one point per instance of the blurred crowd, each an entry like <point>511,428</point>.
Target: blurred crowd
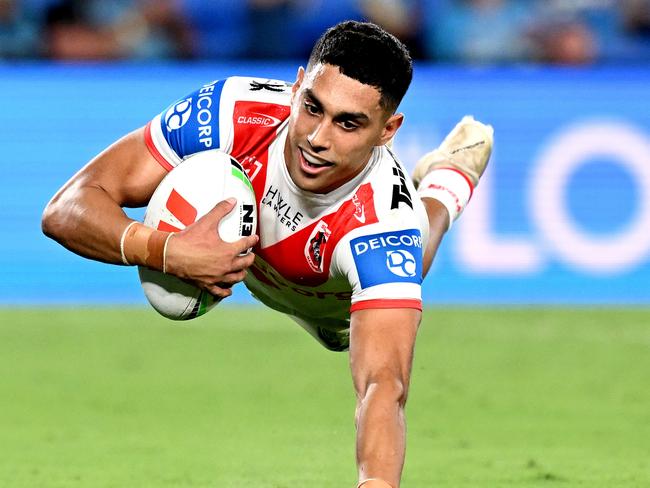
<point>455,31</point>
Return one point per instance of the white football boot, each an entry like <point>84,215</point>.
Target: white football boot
<point>466,148</point>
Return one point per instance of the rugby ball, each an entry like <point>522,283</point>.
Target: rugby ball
<point>188,192</point>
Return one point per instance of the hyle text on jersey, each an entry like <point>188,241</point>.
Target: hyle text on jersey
<point>289,217</point>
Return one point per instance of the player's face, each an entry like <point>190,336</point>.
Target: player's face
<point>335,123</point>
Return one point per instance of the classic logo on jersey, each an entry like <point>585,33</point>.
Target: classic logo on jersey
<point>315,247</point>
<point>388,257</point>
<point>287,215</point>
<point>255,126</point>
<point>177,116</point>
<point>401,192</point>
<point>258,114</point>
<point>256,118</point>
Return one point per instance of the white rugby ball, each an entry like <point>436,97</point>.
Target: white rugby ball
<point>188,192</point>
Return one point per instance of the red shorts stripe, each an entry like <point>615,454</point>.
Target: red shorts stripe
<point>387,303</point>
<point>153,150</point>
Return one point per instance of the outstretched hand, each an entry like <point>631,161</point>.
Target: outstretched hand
<point>199,255</point>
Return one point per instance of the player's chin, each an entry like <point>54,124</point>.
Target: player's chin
<point>314,184</point>
<point>320,184</point>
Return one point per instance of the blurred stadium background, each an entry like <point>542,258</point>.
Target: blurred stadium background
<point>563,215</point>
<point>558,232</point>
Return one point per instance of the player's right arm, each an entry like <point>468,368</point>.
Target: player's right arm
<point>86,214</point>
<point>86,217</point>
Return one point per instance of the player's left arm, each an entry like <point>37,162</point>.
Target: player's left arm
<point>381,354</point>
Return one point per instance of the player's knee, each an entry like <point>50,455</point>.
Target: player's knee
<point>397,390</point>
<point>385,388</point>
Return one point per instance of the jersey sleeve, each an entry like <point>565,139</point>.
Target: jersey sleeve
<point>383,266</point>
<point>188,126</point>
<point>230,114</point>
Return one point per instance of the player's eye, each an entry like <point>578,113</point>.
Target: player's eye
<point>311,108</point>
<point>348,125</point>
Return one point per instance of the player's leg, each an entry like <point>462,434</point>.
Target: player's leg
<point>450,172</point>
<point>446,177</point>
<point>466,149</point>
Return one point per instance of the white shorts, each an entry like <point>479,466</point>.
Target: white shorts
<point>334,334</point>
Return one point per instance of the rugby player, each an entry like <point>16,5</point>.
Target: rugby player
<point>344,238</point>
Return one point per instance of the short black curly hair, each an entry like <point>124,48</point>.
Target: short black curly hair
<point>367,53</point>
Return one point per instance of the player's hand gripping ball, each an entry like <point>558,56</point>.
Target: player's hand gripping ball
<point>187,193</point>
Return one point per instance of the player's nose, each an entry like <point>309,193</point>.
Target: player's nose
<point>319,138</point>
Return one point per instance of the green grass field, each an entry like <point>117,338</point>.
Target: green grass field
<point>244,398</point>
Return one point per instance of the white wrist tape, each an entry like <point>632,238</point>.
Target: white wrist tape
<point>164,268</point>
<point>124,260</point>
<point>450,187</point>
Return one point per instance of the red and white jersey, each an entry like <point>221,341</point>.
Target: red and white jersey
<point>319,255</point>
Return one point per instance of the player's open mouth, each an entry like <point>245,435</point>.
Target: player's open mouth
<point>311,164</point>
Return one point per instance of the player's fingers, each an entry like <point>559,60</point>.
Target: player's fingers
<point>219,291</point>
<point>245,243</point>
<point>232,278</point>
<point>220,210</point>
<point>243,262</point>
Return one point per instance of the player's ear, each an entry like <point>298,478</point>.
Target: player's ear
<point>391,125</point>
<point>299,77</point>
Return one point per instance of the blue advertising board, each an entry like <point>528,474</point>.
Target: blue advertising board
<point>562,215</point>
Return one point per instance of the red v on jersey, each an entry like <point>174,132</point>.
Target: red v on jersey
<point>255,126</point>
<point>304,257</point>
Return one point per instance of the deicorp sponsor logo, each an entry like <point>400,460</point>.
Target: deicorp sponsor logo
<point>192,124</point>
<point>389,257</point>
<point>177,116</point>
<point>401,263</point>
<point>204,114</point>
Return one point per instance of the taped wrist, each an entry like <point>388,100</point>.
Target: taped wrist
<point>143,246</point>
<point>374,483</point>
<point>450,187</point>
